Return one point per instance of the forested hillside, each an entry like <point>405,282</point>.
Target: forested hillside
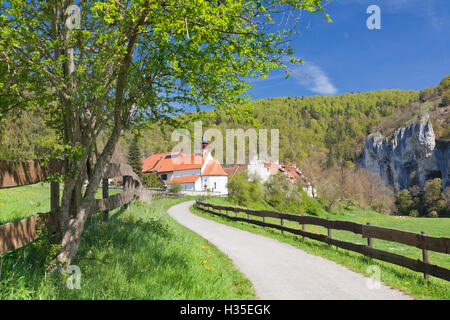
<point>332,127</point>
<point>329,128</point>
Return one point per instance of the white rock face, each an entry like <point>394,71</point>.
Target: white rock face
<point>410,158</point>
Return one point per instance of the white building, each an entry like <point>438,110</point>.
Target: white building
<point>194,172</point>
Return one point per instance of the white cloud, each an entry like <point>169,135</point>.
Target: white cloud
<point>314,78</point>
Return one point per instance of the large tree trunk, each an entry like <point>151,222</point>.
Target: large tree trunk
<point>77,212</point>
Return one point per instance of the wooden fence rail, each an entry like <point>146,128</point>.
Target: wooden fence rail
<point>421,241</point>
<point>15,235</point>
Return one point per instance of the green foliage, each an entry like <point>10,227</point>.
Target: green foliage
<point>433,214</point>
<point>282,194</point>
<point>414,213</point>
<point>404,202</point>
<point>134,156</point>
<point>175,188</point>
<point>432,195</point>
<point>336,126</point>
<point>25,136</point>
<point>243,190</point>
<point>151,180</point>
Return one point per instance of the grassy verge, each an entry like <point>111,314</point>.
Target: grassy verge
<point>410,282</point>
<point>141,253</point>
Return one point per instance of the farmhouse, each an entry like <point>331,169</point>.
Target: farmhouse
<point>194,172</point>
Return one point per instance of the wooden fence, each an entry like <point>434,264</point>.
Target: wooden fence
<point>15,235</point>
<point>421,241</point>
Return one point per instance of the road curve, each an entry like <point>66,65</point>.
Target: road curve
<point>280,271</point>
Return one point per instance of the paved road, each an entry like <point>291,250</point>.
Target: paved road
<point>279,270</point>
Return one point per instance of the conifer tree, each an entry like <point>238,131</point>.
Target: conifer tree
<point>134,156</point>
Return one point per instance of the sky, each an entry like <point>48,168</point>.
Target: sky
<point>410,51</point>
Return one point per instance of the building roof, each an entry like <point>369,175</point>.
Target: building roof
<point>231,171</point>
<point>188,179</point>
<point>271,167</point>
<point>172,161</point>
<point>295,175</point>
<point>214,168</point>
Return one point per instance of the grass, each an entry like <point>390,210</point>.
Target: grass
<point>142,253</point>
<point>410,282</point>
<point>21,202</point>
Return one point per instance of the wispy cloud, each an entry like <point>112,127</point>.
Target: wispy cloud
<point>314,78</point>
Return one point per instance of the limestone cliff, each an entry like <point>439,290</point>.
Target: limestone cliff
<point>410,158</point>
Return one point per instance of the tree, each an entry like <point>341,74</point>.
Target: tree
<point>404,202</point>
<point>152,180</point>
<point>432,195</point>
<point>134,156</point>
<point>130,63</point>
<point>281,193</point>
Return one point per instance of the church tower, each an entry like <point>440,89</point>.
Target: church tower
<point>204,146</point>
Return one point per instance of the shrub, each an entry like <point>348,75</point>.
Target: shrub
<point>414,213</point>
<point>433,214</point>
<point>151,180</point>
<point>175,188</point>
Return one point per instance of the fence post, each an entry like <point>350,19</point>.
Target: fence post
<point>281,222</point>
<point>329,233</point>
<point>105,194</point>
<point>425,257</point>
<point>125,183</point>
<point>54,196</point>
<point>369,242</point>
<point>303,228</point>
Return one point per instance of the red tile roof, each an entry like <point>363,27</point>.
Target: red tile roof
<point>189,179</point>
<point>172,161</point>
<point>213,168</point>
<point>272,167</point>
<point>231,171</point>
<point>295,175</point>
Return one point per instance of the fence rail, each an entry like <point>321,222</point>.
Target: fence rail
<point>421,241</point>
<point>15,235</point>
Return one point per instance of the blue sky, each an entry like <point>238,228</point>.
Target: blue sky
<point>410,51</point>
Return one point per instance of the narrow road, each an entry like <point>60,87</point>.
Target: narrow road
<point>280,271</point>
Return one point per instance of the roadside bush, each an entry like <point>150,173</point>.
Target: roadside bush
<point>311,206</point>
